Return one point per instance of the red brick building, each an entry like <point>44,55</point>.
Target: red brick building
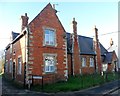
<point>44,50</point>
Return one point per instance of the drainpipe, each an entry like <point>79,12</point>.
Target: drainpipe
<point>27,57</point>
<point>25,62</point>
<point>95,64</point>
<point>71,64</point>
<point>26,78</point>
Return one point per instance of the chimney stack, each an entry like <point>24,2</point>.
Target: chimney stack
<point>98,51</point>
<point>76,50</point>
<point>24,21</point>
<point>96,34</point>
<point>74,27</point>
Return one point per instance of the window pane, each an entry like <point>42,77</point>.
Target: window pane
<point>83,62</point>
<point>46,38</point>
<point>49,64</point>
<point>47,68</point>
<point>91,62</point>
<point>10,68</point>
<point>52,68</point>
<point>49,37</point>
<point>19,66</point>
<point>52,38</point>
<point>46,31</point>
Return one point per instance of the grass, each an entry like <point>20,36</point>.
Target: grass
<point>75,83</point>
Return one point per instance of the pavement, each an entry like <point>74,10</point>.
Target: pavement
<point>102,90</point>
<point>116,92</point>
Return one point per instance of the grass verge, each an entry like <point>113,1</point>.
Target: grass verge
<point>75,83</point>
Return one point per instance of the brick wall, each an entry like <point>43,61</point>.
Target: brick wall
<point>76,58</point>
<point>7,58</point>
<point>110,67</point>
<point>47,19</point>
<point>76,50</point>
<point>83,70</point>
<point>15,51</point>
<point>70,64</point>
<point>88,69</point>
<point>19,51</point>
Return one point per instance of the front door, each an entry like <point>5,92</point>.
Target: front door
<point>13,70</point>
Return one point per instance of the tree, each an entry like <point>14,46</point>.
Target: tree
<point>2,61</point>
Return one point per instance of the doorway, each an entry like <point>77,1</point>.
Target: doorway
<point>13,75</point>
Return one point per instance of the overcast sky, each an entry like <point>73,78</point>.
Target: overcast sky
<point>87,14</point>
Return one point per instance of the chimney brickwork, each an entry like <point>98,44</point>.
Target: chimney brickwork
<point>24,21</point>
<point>98,51</point>
<point>76,53</point>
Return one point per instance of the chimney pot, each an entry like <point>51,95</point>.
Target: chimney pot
<point>74,26</point>
<point>111,42</point>
<point>96,34</point>
<point>25,14</point>
<point>73,19</point>
<point>24,21</point>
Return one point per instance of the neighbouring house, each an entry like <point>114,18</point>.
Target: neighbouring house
<point>112,58</point>
<point>44,50</point>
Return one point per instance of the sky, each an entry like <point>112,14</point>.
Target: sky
<point>87,14</point>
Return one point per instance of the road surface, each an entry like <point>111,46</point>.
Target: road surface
<point>116,92</point>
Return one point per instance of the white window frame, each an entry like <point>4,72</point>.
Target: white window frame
<point>10,66</point>
<point>83,59</point>
<point>6,66</point>
<point>54,37</point>
<point>91,62</point>
<point>19,68</point>
<point>47,69</point>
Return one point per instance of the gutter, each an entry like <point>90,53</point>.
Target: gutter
<point>19,36</point>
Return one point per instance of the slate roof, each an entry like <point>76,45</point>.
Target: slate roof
<point>103,50</point>
<point>108,57</point>
<point>14,35</point>
<point>85,45</point>
<point>69,43</point>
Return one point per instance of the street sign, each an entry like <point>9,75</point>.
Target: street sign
<point>37,77</point>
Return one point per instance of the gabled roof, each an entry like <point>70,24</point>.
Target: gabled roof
<point>14,35</point>
<point>47,8</point>
<point>103,50</point>
<point>85,44</point>
<point>48,5</point>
